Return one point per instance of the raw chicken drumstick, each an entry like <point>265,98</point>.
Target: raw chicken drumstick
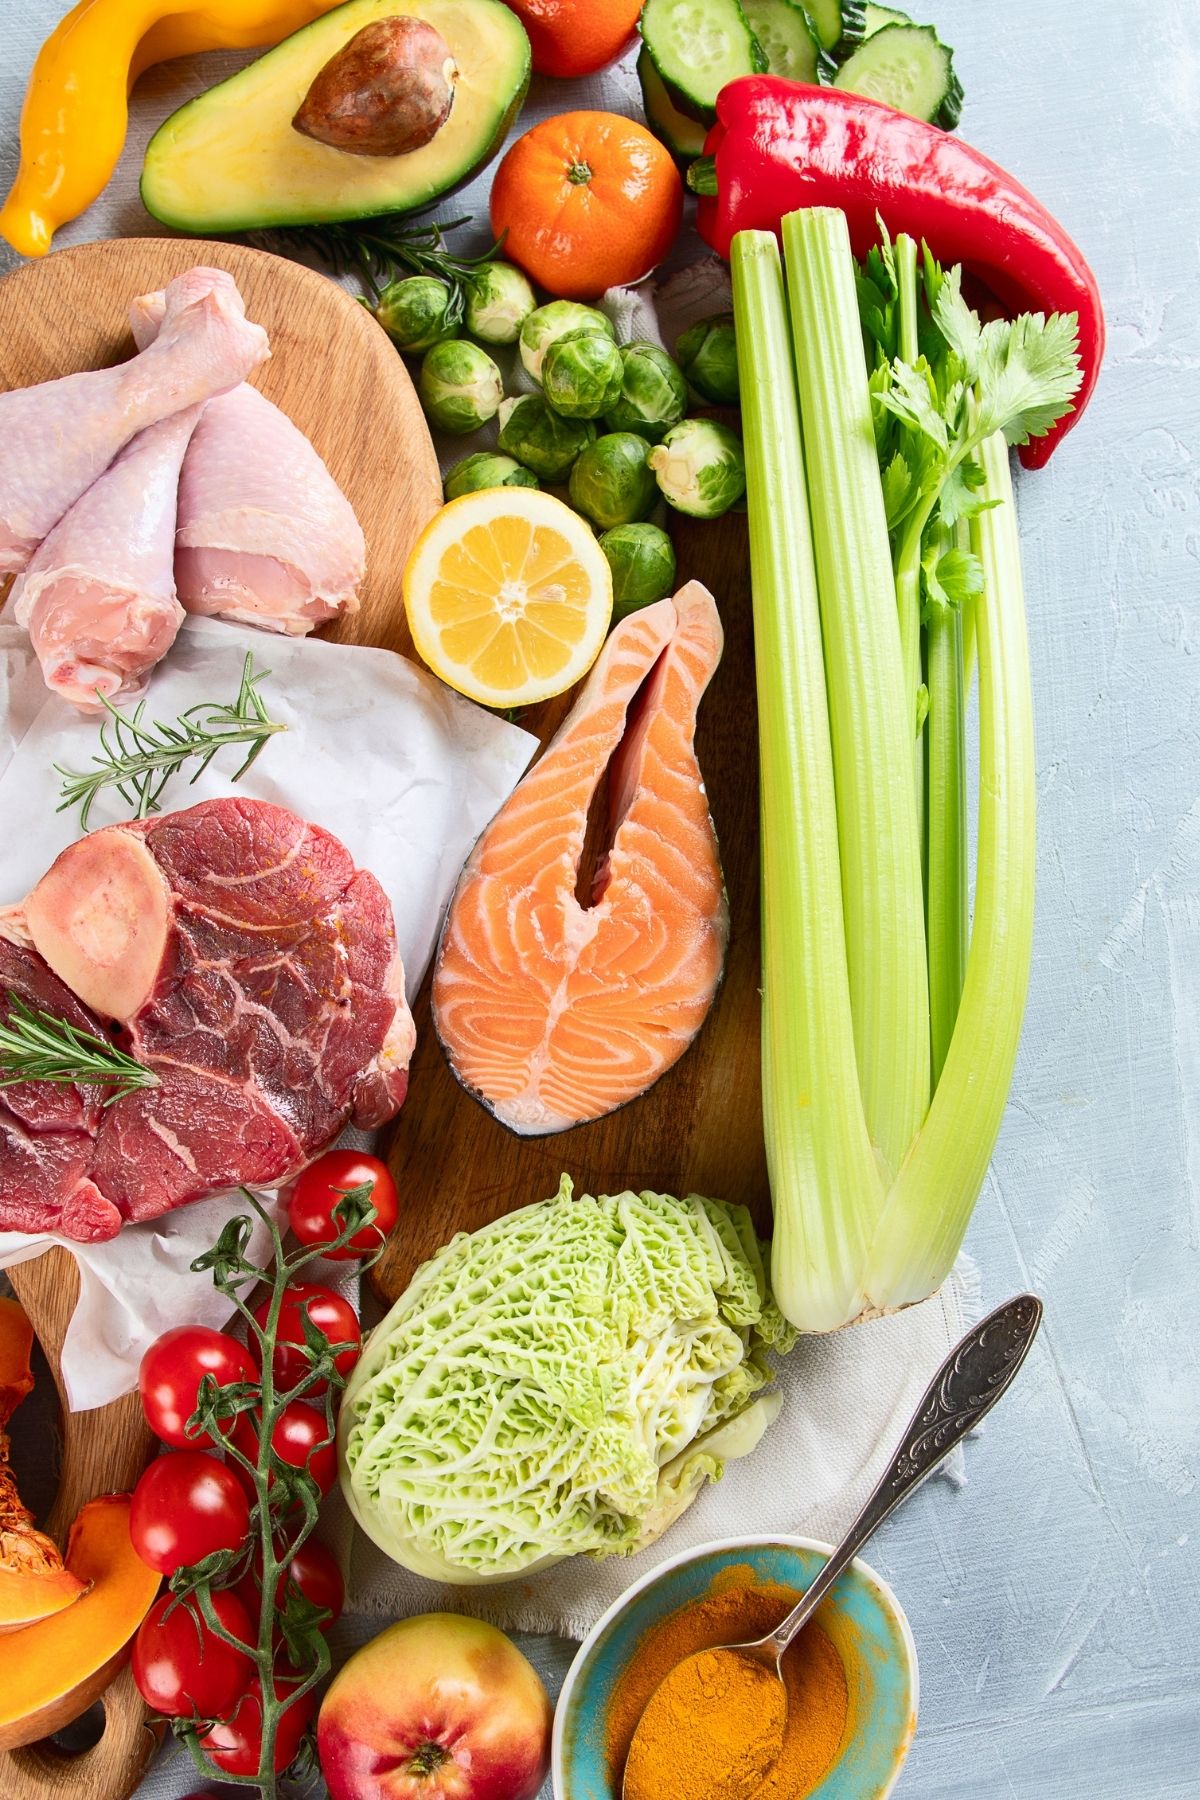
<point>57,438</point>
<point>265,535</point>
<point>98,598</point>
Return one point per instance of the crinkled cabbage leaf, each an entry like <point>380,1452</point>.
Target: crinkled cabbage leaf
<point>560,1383</point>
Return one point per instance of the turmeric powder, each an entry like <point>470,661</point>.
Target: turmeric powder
<point>730,1712</point>
<point>727,1743</point>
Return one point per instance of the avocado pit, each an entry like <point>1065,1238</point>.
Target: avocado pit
<point>388,90</point>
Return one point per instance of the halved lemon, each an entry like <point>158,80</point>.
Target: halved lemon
<point>508,595</point>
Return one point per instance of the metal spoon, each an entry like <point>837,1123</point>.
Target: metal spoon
<point>968,1384</point>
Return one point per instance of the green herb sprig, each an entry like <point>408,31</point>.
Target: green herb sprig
<point>383,250</point>
<point>942,385</point>
<point>139,758</point>
<point>290,1646</point>
<point>36,1045</point>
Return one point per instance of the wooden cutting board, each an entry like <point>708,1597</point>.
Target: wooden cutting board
<point>700,1128</point>
<point>334,372</point>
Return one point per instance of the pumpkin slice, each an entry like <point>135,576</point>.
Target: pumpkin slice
<point>16,1344</point>
<point>51,1672</point>
<point>33,1581</point>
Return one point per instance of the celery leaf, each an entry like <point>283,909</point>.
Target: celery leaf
<point>958,324</point>
<point>949,578</point>
<point>899,490</point>
<point>959,497</point>
<point>913,398</point>
<point>1028,375</point>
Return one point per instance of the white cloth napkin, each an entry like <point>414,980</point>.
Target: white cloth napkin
<point>404,771</point>
<point>847,1398</point>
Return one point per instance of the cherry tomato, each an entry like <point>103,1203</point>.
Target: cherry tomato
<point>301,1438</point>
<point>314,1570</point>
<point>318,1190</point>
<point>172,1370</point>
<point>331,1315</point>
<point>184,1507</point>
<point>235,1745</point>
<point>182,1668</point>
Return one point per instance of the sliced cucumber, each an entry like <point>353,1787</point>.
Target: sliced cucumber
<point>837,23</point>
<point>876,17</point>
<point>697,46</point>
<point>784,31</point>
<point>908,67</point>
<point>683,137</point>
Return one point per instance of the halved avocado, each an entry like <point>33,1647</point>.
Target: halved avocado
<point>230,160</point>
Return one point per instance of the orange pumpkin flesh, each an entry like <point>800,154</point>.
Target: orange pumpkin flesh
<point>51,1672</point>
<point>33,1582</point>
<point>16,1344</point>
<point>587,201</point>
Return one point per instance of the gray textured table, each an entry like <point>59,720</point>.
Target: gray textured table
<point>1055,1599</point>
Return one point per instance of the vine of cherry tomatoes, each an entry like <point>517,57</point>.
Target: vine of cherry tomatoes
<point>193,1503</point>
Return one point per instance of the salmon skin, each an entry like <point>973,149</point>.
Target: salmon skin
<point>552,1012</point>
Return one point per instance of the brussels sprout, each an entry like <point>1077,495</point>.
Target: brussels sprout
<point>699,468</point>
<point>413,313</point>
<point>707,354</point>
<point>581,374</point>
<point>499,300</point>
<point>537,437</point>
<point>543,327</point>
<point>487,470</point>
<point>610,483</point>
<point>642,560</point>
<point>460,387</point>
<point>653,393</point>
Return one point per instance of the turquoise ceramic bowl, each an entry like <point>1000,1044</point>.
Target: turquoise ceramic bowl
<point>881,1666</point>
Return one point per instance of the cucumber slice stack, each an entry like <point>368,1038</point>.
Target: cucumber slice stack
<point>691,48</point>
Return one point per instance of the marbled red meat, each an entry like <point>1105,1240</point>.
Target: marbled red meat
<point>238,953</point>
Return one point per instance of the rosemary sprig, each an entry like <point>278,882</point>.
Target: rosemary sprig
<point>139,759</point>
<point>386,249</point>
<point>37,1046</point>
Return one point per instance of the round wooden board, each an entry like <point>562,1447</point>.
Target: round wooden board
<point>334,372</point>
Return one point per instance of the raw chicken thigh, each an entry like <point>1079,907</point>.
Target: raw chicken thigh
<point>56,439</point>
<point>265,535</point>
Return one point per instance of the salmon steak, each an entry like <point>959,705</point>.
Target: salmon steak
<point>554,1009</point>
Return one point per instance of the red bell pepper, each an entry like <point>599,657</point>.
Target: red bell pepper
<point>780,145</point>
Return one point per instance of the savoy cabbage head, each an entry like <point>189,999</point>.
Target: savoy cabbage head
<point>560,1383</point>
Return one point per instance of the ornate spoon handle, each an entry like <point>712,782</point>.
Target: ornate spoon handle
<point>968,1384</point>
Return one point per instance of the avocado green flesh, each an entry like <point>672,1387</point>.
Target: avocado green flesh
<point>230,160</point>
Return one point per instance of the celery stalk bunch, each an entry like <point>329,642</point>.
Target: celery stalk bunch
<point>877,411</point>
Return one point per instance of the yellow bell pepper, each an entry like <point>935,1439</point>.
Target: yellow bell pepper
<point>76,108</point>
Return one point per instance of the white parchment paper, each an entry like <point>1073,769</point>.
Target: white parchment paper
<point>404,771</point>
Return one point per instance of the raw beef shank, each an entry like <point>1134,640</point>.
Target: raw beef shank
<point>236,952</point>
